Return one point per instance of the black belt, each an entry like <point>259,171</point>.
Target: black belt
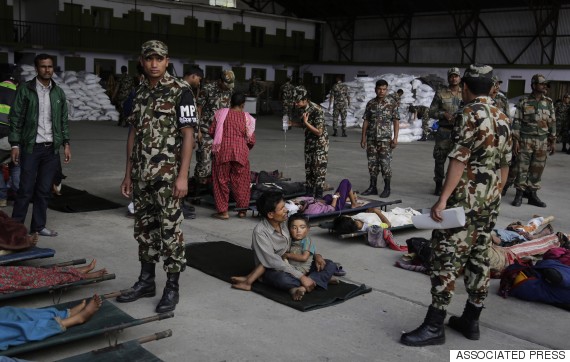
<point>45,144</point>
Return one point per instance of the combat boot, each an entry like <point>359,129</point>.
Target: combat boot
<point>318,192</point>
<point>344,133</point>
<point>438,187</point>
<point>170,296</point>
<point>334,133</point>
<point>518,198</point>
<point>534,200</point>
<point>468,323</point>
<point>143,288</point>
<point>430,332</point>
<point>423,139</point>
<point>564,149</point>
<point>386,191</point>
<point>371,190</point>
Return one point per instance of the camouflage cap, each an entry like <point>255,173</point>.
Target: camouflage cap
<point>538,79</point>
<point>478,71</point>
<point>228,77</point>
<point>496,79</point>
<point>300,93</point>
<point>453,70</point>
<point>154,47</point>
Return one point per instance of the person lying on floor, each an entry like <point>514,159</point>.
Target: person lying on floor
<point>348,224</point>
<point>23,325</point>
<point>300,255</point>
<point>271,239</point>
<point>516,232</point>
<point>14,278</point>
<point>329,203</point>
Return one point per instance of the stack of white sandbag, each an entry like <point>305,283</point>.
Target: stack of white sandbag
<point>361,90</point>
<point>86,99</point>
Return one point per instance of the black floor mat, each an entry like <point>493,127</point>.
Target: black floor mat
<point>224,260</point>
<point>74,200</point>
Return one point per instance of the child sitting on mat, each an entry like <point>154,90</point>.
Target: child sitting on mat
<point>348,224</point>
<point>300,256</point>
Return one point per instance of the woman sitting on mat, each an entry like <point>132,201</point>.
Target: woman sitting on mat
<point>14,278</point>
<point>329,203</point>
<point>233,133</point>
<point>23,325</point>
<point>348,224</point>
<point>300,256</point>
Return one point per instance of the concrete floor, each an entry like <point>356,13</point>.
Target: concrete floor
<point>215,323</point>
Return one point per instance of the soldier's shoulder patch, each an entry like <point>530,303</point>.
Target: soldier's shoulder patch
<point>186,112</point>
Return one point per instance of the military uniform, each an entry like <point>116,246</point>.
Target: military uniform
<point>444,101</point>
<point>380,115</point>
<point>341,100</point>
<point>483,144</point>
<point>562,119</point>
<point>316,148</point>
<point>534,126</point>
<point>211,98</point>
<point>287,91</point>
<point>501,102</point>
<point>424,111</point>
<point>156,161</point>
<point>125,85</point>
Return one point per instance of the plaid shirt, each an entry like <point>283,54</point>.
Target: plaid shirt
<point>235,144</point>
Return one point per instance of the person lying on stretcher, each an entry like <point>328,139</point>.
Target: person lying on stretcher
<point>348,224</point>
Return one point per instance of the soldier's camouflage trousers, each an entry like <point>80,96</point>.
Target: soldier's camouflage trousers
<point>425,126</point>
<point>464,250</point>
<point>316,162</point>
<point>564,129</point>
<point>441,150</point>
<point>203,167</point>
<point>157,225</point>
<point>339,111</point>
<point>531,161</point>
<point>379,154</point>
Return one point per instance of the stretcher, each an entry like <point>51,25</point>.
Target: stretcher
<point>60,288</point>
<point>28,254</point>
<point>328,225</point>
<point>355,210</point>
<point>122,352</point>
<point>108,320</point>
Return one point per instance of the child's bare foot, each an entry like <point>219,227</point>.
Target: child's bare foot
<point>87,268</point>
<point>242,286</point>
<point>95,274</point>
<point>334,281</point>
<point>85,314</point>
<point>236,280</point>
<point>78,308</point>
<point>297,293</point>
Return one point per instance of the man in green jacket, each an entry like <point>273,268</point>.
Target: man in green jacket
<point>38,128</point>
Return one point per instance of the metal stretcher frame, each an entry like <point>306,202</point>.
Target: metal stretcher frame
<point>350,211</point>
<point>28,254</point>
<point>329,226</point>
<point>109,318</point>
<point>126,351</point>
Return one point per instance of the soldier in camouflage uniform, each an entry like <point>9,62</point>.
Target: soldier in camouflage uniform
<point>422,112</point>
<point>379,116</point>
<point>443,107</point>
<point>286,94</point>
<point>125,85</point>
<point>341,101</point>
<point>562,111</point>
<point>316,142</point>
<point>159,151</point>
<point>211,98</point>
<point>482,148</point>
<point>534,134</point>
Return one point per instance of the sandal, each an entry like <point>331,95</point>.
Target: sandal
<point>47,232</point>
<point>242,214</point>
<point>220,216</point>
<point>339,272</point>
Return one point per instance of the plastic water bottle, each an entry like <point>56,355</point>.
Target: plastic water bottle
<point>285,123</point>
